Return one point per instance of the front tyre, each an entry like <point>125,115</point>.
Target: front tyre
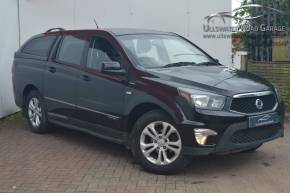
<point>35,113</point>
<point>157,144</point>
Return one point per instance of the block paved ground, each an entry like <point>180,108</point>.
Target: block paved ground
<point>72,162</point>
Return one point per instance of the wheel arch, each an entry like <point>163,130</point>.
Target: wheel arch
<point>28,88</point>
<point>140,109</point>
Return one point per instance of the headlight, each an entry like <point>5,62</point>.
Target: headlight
<point>203,100</point>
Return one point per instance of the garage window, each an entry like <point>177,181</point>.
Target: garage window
<point>71,50</point>
<point>39,46</point>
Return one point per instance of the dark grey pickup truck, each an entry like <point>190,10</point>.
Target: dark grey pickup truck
<point>155,92</point>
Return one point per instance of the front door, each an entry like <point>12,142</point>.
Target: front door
<point>100,96</point>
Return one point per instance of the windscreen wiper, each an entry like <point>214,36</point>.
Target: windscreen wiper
<point>178,64</point>
<point>209,63</point>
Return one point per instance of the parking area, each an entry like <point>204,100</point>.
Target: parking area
<point>67,161</point>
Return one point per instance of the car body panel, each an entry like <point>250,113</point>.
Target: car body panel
<point>60,89</point>
<point>103,105</point>
<point>221,79</point>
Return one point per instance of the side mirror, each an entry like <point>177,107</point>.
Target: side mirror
<point>113,68</point>
<point>217,60</point>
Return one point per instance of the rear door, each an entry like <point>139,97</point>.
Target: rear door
<point>61,74</point>
<point>29,64</point>
<point>100,96</point>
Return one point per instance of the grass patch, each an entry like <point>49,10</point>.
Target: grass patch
<point>13,117</point>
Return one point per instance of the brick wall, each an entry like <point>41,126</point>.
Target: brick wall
<point>276,72</point>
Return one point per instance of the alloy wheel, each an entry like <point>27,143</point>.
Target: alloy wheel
<point>34,112</point>
<point>160,143</point>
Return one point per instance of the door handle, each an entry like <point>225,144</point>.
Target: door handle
<point>85,77</point>
<point>52,69</point>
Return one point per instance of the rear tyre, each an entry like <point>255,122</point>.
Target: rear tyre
<point>35,113</point>
<point>156,144</point>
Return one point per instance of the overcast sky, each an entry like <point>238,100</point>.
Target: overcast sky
<point>236,3</point>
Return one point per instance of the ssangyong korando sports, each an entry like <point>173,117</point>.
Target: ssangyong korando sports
<point>154,92</point>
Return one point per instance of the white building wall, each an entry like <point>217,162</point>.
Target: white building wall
<point>8,45</point>
<point>185,17</point>
<point>219,48</point>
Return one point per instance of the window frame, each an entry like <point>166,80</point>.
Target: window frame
<point>60,43</point>
<point>92,38</point>
<point>39,37</point>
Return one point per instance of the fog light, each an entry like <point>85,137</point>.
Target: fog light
<point>201,135</point>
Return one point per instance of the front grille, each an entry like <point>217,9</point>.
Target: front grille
<point>247,105</point>
<point>255,134</point>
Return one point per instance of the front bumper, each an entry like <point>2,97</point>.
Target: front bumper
<point>238,137</point>
<point>234,134</point>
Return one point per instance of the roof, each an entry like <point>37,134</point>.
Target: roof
<point>125,31</point>
<point>116,31</point>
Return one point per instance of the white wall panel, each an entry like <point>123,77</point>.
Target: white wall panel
<point>185,17</point>
<point>9,44</point>
<point>198,10</point>
<point>36,16</point>
<point>150,14</point>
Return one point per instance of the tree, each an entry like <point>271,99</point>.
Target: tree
<point>259,43</point>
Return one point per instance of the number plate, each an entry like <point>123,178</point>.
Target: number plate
<point>262,120</point>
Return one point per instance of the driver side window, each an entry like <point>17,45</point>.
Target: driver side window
<point>101,50</point>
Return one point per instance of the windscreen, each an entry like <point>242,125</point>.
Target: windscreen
<point>157,51</point>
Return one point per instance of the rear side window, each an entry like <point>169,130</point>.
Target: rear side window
<point>71,50</point>
<point>39,46</point>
